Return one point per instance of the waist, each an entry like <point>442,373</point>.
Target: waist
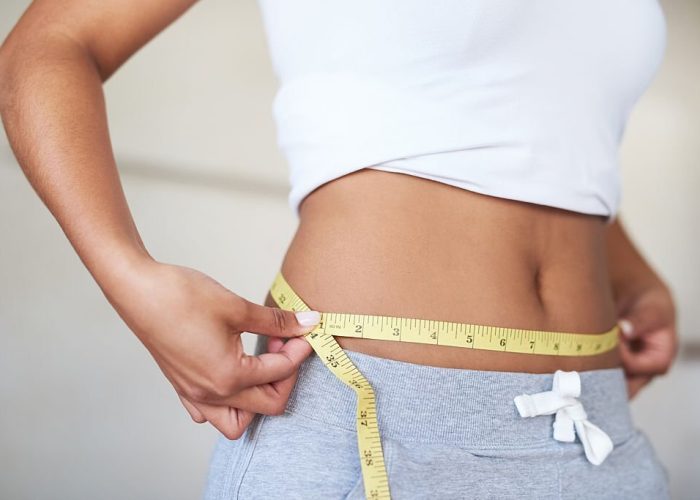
<point>390,244</point>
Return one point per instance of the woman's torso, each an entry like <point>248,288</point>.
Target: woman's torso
<point>375,242</point>
<point>533,97</point>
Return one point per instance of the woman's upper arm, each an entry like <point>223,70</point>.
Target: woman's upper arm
<point>111,31</point>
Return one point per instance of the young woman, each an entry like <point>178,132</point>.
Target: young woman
<point>452,161</point>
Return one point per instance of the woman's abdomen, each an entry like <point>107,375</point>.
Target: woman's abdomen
<point>383,243</point>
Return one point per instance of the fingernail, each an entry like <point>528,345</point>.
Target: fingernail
<point>308,318</point>
<point>626,327</point>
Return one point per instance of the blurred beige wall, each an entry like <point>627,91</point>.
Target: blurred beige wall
<point>85,412</point>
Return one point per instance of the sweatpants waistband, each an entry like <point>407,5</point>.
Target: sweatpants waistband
<point>468,408</point>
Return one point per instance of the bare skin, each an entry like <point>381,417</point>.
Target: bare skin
<point>377,242</point>
<point>371,242</point>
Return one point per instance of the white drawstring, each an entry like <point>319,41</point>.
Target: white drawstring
<point>569,415</point>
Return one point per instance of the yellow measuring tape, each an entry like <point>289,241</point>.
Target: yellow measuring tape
<point>424,331</point>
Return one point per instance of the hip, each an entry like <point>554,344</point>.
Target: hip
<point>446,433</point>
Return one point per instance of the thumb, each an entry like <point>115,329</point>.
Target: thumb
<point>276,322</point>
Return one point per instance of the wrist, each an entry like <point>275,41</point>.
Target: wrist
<point>118,269</point>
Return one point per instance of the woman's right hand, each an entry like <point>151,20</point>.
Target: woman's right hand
<point>192,327</point>
<point>53,65</point>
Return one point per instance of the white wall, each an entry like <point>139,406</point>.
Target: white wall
<point>85,412</point>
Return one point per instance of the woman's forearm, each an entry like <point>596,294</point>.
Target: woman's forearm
<point>53,110</point>
<point>629,271</point>
<point>646,311</point>
<point>52,67</point>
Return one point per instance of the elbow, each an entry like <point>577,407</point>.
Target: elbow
<point>5,76</point>
<point>14,55</point>
<point>23,57</point>
<point>9,81</point>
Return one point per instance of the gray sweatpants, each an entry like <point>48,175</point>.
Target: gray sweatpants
<point>446,433</point>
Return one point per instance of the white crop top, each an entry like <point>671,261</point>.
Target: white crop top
<point>526,100</point>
